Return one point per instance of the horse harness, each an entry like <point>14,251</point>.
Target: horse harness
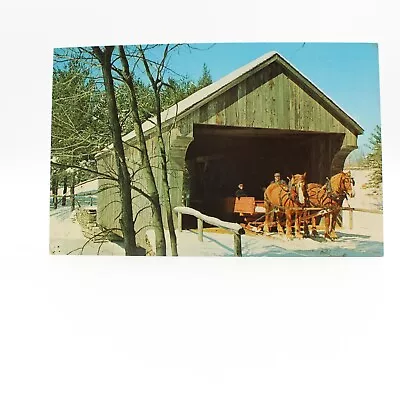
<point>289,192</point>
<point>333,196</point>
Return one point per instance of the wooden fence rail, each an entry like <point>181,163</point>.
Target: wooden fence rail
<point>232,227</point>
<point>350,210</point>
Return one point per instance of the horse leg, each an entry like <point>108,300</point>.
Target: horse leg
<point>279,222</point>
<point>305,216</point>
<point>327,223</point>
<point>289,225</point>
<point>332,232</point>
<point>267,221</point>
<point>314,231</point>
<point>297,216</point>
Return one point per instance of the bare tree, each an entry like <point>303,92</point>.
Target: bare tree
<point>126,75</point>
<point>157,84</point>
<point>124,180</point>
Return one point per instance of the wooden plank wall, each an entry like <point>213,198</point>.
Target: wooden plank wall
<point>108,204</point>
<point>108,197</point>
<point>268,99</point>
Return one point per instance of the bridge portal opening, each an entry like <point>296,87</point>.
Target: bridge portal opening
<point>221,157</point>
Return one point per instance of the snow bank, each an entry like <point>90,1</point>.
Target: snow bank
<point>349,244</point>
<point>66,237</point>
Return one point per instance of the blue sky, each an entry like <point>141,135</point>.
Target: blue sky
<point>347,72</point>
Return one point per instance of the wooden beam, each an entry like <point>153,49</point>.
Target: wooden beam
<point>214,130</point>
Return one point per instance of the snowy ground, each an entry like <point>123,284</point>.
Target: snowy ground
<point>354,243</point>
<point>66,237</point>
<point>365,239</point>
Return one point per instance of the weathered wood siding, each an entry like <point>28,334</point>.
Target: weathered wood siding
<point>108,204</point>
<point>109,207</point>
<point>268,99</point>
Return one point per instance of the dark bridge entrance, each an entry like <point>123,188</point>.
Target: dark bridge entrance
<point>221,157</point>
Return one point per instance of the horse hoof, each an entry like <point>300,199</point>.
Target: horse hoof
<point>314,233</point>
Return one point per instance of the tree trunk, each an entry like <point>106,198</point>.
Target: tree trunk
<point>72,192</point>
<point>54,189</point>
<point>124,181</point>
<point>165,193</point>
<point>64,198</point>
<point>164,178</point>
<point>145,162</point>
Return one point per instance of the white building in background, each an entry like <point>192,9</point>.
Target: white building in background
<point>91,185</point>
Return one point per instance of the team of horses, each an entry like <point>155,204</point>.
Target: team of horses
<point>302,201</point>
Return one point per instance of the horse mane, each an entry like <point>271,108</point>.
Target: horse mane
<point>293,181</point>
<point>336,179</point>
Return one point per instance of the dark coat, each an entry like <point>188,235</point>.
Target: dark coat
<point>240,193</point>
<point>281,182</point>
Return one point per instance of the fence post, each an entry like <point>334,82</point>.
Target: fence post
<point>350,219</point>
<point>180,222</point>
<point>237,244</point>
<point>200,228</point>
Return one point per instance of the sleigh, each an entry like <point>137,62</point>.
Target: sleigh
<point>248,211</point>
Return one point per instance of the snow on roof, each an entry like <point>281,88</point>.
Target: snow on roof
<point>204,93</point>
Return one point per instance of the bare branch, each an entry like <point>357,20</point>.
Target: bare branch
<point>63,165</point>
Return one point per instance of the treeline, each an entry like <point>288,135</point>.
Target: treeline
<point>372,160</point>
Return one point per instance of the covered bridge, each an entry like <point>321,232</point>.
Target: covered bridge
<point>261,118</point>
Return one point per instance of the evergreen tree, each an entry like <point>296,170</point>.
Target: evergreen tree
<point>205,78</point>
<point>78,122</point>
<point>373,160</point>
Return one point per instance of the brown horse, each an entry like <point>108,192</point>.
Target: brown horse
<point>284,198</point>
<point>330,197</point>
